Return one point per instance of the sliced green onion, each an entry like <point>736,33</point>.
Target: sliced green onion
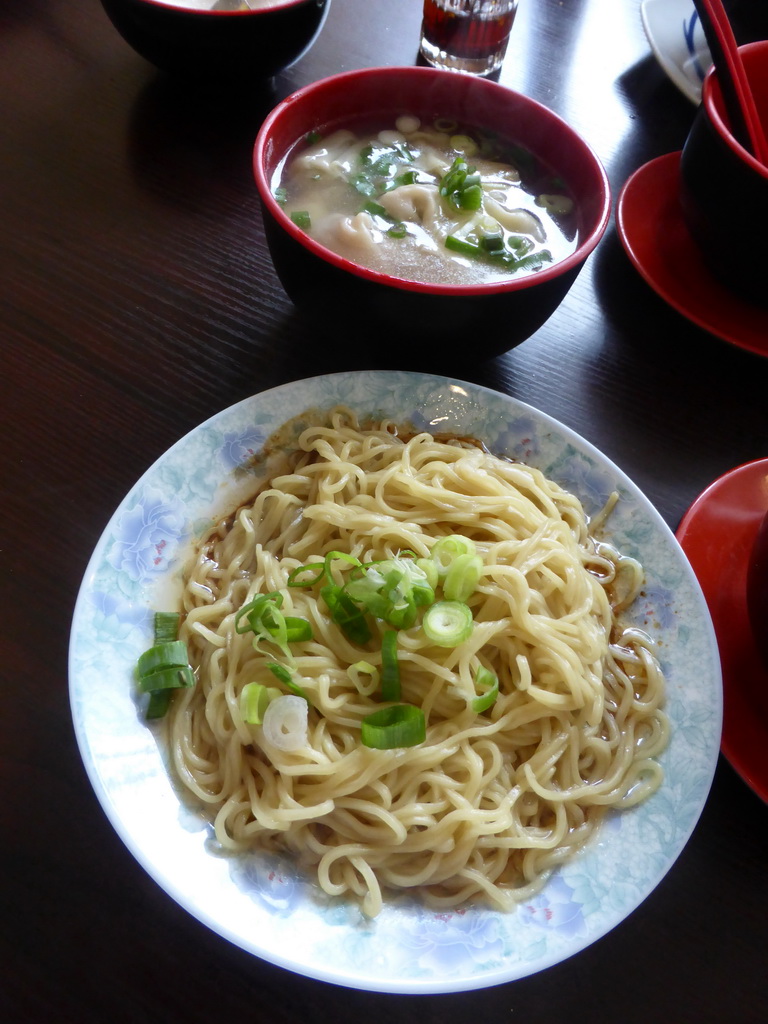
<point>315,567</point>
<point>158,705</point>
<point>533,261</point>
<point>172,677</point>
<point>448,623</point>
<point>265,619</point>
<point>170,654</point>
<point>297,629</point>
<point>487,687</point>
<point>462,246</point>
<point>461,186</point>
<point>342,556</point>
<point>390,667</point>
<point>283,674</point>
<point>346,614</point>
<point>361,668</point>
<point>520,244</point>
<point>281,195</point>
<point>402,725</point>
<point>164,667</point>
<point>392,590</point>
<point>462,577</point>
<point>447,549</point>
<point>253,611</point>
<point>397,231</point>
<point>166,626</point>
<point>471,197</point>
<point>429,568</point>
<point>254,700</point>
<point>492,243</point>
<point>302,219</point>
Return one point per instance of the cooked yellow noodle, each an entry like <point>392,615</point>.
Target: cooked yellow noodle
<point>490,802</point>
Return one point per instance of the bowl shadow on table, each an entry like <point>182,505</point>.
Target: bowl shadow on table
<point>664,368</point>
<point>662,340</point>
<point>298,343</point>
<point>189,139</point>
<point>660,116</point>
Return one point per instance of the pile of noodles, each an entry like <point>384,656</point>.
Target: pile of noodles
<point>489,803</point>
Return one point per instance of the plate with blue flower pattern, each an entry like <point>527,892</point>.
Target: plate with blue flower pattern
<point>263,903</point>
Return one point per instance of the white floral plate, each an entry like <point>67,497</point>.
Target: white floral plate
<point>677,39</point>
<point>263,904</point>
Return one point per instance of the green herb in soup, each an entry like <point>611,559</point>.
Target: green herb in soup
<point>436,203</point>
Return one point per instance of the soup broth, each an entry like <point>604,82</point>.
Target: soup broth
<point>435,203</point>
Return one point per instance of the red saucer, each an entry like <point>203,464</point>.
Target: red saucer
<point>717,534</point>
<point>657,242</point>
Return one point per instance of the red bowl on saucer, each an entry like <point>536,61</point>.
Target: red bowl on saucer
<point>724,189</point>
<point>407,316</point>
<point>218,44</point>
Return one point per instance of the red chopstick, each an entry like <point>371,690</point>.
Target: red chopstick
<point>737,95</point>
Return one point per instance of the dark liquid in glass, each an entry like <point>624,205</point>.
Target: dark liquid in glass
<point>461,34</point>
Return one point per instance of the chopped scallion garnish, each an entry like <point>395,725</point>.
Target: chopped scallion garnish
<point>462,577</point>
<point>254,700</point>
<point>448,623</point>
<point>283,674</point>
<point>447,549</point>
<point>390,668</point>
<point>346,614</point>
<point>263,616</point>
<point>487,687</point>
<point>461,186</point>
<point>161,656</point>
<point>171,677</point>
<point>318,568</point>
<point>402,725</point>
<point>164,667</point>
<point>166,626</point>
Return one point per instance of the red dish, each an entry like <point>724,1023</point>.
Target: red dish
<point>717,534</point>
<point>652,231</point>
<point>496,315</point>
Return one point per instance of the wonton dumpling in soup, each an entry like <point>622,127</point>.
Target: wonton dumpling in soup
<point>428,203</point>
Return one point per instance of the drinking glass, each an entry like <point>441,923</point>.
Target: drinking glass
<point>466,35</point>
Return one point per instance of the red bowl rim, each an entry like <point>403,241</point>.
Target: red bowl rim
<point>711,98</point>
<point>168,5</point>
<point>347,79</point>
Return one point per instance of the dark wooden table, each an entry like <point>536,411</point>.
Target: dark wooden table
<point>137,298</point>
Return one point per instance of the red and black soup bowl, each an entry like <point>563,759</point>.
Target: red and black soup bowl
<point>724,188</point>
<point>254,43</point>
<point>405,315</point>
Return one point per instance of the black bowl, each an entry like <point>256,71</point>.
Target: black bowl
<point>254,43</point>
<point>404,315</point>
